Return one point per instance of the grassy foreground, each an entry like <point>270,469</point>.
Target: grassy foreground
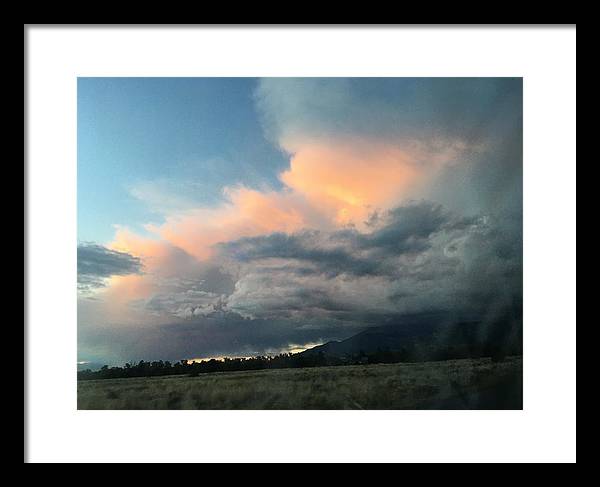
<point>453,384</point>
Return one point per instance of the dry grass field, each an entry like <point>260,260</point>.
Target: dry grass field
<point>453,384</point>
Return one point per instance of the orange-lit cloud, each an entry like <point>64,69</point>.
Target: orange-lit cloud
<point>247,213</point>
<point>327,185</point>
<point>160,260</point>
<point>348,181</point>
<point>160,257</point>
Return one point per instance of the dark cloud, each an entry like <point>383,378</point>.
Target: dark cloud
<point>419,261</point>
<point>420,258</point>
<point>425,262</point>
<point>401,231</point>
<point>408,228</point>
<point>309,246</point>
<point>95,263</point>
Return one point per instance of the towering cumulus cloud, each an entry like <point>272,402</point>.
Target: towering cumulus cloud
<point>402,198</point>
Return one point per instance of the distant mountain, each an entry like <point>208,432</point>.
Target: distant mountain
<point>419,341</point>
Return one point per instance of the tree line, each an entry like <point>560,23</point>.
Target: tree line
<point>282,361</point>
<point>262,362</point>
<point>185,367</point>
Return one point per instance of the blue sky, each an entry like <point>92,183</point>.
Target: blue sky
<point>192,134</point>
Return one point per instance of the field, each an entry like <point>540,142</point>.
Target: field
<point>453,384</point>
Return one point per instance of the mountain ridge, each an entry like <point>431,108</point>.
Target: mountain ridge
<point>430,340</point>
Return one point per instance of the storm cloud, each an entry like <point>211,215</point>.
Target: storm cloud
<point>419,258</point>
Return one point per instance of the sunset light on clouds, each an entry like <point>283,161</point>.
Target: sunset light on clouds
<point>306,209</point>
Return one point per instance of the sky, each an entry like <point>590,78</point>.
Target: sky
<point>242,216</point>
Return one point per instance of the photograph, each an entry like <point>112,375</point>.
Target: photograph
<point>299,243</point>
